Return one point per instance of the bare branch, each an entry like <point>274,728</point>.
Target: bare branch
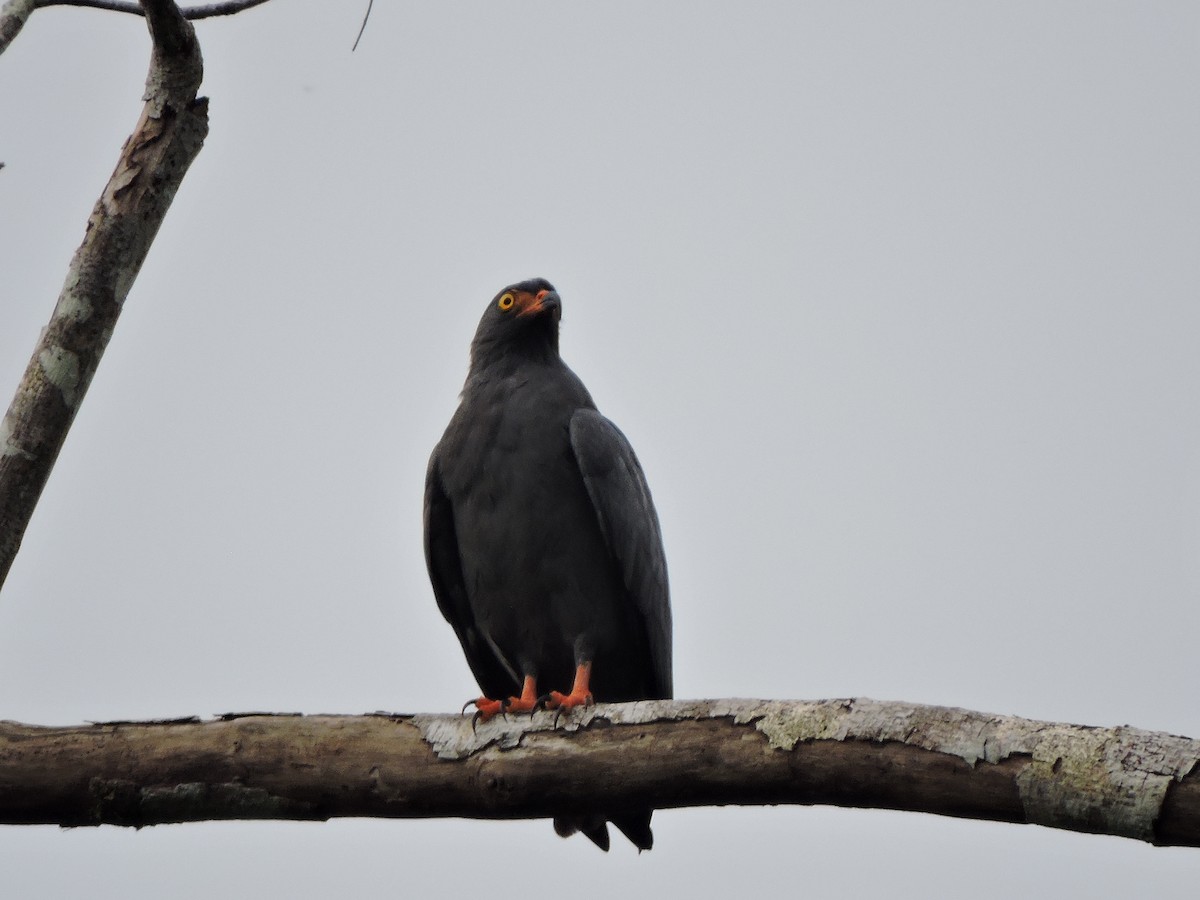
<point>855,753</point>
<point>207,11</point>
<point>15,13</point>
<point>120,231</point>
<point>13,16</point>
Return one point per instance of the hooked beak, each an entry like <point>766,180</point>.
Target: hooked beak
<point>542,302</point>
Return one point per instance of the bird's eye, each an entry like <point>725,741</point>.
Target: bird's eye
<point>506,302</point>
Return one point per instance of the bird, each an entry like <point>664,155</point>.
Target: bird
<point>542,542</point>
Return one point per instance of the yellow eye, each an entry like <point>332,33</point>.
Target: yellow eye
<point>506,302</point>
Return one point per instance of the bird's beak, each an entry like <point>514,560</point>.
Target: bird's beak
<point>542,302</point>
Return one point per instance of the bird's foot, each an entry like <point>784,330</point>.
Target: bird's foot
<point>564,702</point>
<point>486,708</point>
<point>555,700</point>
<point>581,693</point>
<point>520,704</point>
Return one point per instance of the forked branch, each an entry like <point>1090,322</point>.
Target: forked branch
<point>15,13</point>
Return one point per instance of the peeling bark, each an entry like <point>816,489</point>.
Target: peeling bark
<point>858,753</point>
<point>119,233</point>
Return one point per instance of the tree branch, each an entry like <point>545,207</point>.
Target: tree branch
<point>120,231</point>
<point>208,10</point>
<point>15,13</point>
<point>857,753</point>
<point>13,16</point>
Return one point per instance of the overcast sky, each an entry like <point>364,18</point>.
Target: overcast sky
<point>898,303</point>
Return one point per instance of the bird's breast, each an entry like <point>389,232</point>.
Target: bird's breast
<point>510,472</point>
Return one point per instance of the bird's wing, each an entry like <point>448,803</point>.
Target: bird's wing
<point>445,572</point>
<point>619,493</point>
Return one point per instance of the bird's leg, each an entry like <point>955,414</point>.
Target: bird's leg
<point>528,698</point>
<point>581,694</point>
<point>486,708</point>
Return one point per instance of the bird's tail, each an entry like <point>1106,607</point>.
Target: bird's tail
<point>635,826</point>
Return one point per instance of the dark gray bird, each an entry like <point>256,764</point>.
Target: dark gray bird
<point>542,541</point>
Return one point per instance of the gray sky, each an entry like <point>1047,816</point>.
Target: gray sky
<point>897,302</point>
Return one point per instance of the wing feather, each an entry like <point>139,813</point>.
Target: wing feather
<point>450,590</point>
<point>618,490</point>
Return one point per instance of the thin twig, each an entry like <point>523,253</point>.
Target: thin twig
<point>370,3</point>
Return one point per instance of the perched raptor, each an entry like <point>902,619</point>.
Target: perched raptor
<point>542,541</point>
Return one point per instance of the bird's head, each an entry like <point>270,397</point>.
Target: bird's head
<point>521,321</point>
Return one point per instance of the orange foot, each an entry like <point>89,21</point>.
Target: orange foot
<point>486,709</point>
<point>581,694</point>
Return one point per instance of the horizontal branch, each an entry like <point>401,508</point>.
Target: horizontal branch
<point>609,758</point>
